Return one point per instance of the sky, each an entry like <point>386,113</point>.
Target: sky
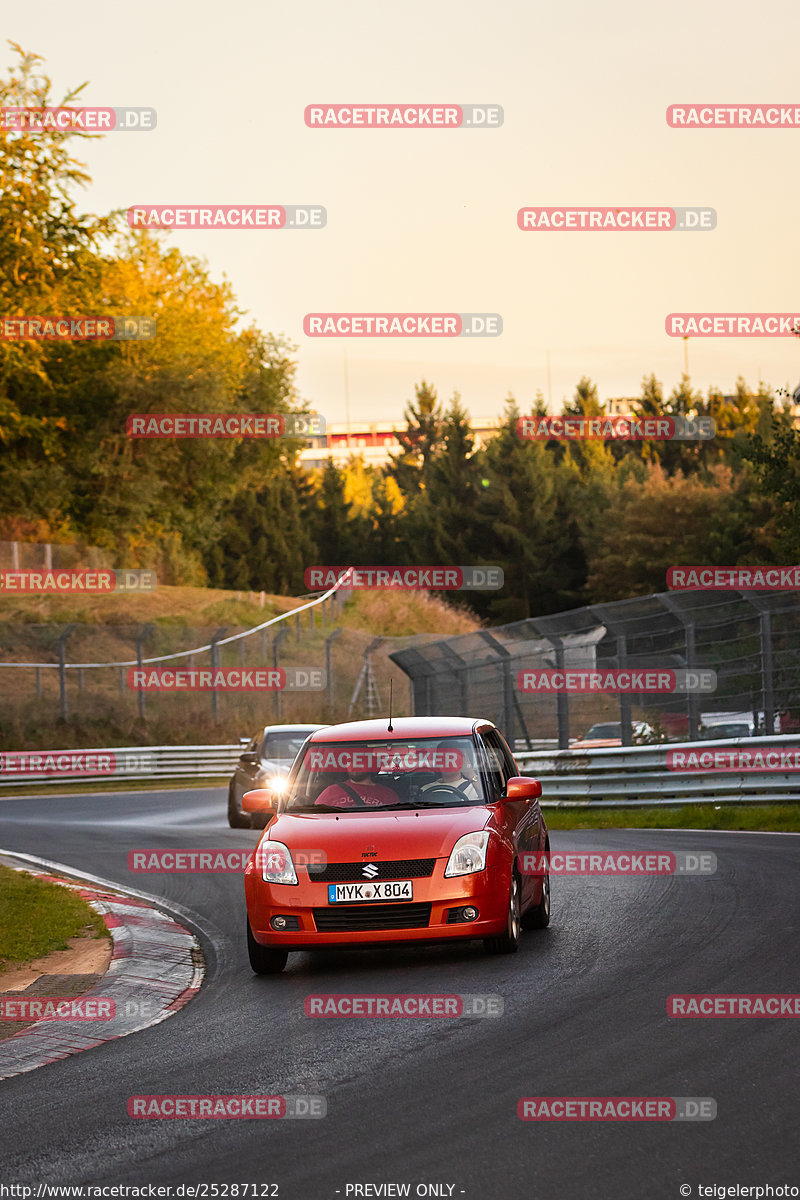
<point>426,220</point>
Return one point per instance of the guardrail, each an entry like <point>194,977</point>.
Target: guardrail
<point>125,762</point>
<point>637,776</point>
<point>617,777</point>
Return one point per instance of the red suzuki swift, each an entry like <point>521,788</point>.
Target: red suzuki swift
<point>397,832</point>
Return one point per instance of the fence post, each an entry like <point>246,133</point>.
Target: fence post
<point>328,671</point>
<point>768,701</point>
<point>692,701</point>
<point>215,668</point>
<point>282,633</point>
<point>624,697</point>
<point>62,670</point>
<point>143,635</point>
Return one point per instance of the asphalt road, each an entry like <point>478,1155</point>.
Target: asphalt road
<point>419,1101</point>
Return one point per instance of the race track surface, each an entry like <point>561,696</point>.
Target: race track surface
<point>414,1101</point>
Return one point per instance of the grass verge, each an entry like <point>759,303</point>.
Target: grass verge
<point>769,818</point>
<point>37,917</point>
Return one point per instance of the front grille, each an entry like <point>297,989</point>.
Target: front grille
<point>400,868</point>
<point>357,917</point>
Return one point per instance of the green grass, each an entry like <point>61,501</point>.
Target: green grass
<point>774,818</point>
<point>37,917</point>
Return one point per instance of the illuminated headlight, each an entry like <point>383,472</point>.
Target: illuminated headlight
<point>276,863</point>
<point>468,854</point>
<point>278,784</point>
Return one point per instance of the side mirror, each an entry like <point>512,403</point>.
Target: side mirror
<point>260,800</point>
<point>249,756</point>
<point>520,787</point>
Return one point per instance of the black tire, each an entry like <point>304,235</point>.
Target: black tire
<point>508,942</point>
<point>263,959</point>
<point>236,818</point>
<point>539,917</point>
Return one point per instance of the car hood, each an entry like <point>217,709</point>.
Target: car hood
<point>411,833</point>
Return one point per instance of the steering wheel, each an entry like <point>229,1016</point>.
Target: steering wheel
<point>444,787</point>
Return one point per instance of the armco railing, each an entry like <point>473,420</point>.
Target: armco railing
<point>633,776</point>
<point>629,776</point>
<point>126,762</point>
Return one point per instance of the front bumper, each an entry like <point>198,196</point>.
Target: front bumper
<point>485,890</point>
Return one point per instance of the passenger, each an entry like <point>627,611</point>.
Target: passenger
<point>358,789</point>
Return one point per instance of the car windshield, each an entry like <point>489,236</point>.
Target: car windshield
<point>377,775</point>
<point>283,746</point>
<point>604,731</point>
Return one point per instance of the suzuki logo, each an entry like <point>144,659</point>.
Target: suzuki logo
<point>370,870</point>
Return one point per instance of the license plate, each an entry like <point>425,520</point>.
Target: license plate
<point>364,893</point>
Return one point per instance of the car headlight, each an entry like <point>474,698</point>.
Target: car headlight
<point>276,863</point>
<point>278,784</point>
<point>468,855</point>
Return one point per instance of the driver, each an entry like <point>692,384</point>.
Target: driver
<point>464,780</point>
<point>358,789</point>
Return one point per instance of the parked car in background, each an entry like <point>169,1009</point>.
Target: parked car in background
<point>264,764</point>
<point>735,725</point>
<point>609,733</point>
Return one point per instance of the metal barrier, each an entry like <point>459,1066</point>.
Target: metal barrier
<point>637,776</point>
<point>127,762</point>
<point>609,778</point>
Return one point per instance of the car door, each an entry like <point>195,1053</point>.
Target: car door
<point>526,815</point>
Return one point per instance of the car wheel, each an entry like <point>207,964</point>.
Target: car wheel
<point>236,818</point>
<point>508,942</point>
<point>539,917</point>
<point>263,959</point>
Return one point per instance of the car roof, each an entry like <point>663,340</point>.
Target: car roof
<point>291,728</point>
<point>402,728</point>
